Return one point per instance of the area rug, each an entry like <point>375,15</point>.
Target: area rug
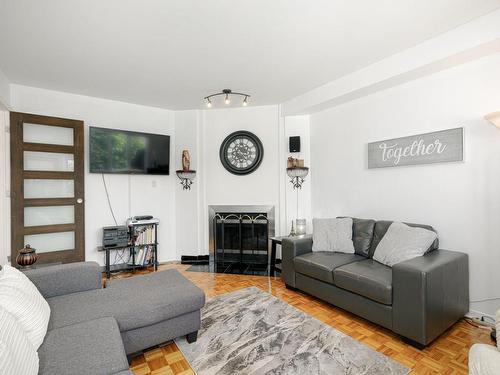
<point>252,332</point>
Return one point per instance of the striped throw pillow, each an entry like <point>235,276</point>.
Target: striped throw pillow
<point>17,355</point>
<point>20,297</point>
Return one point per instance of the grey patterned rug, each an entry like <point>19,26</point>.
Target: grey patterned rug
<point>253,332</point>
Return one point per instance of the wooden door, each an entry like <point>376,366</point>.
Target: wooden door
<point>47,187</point>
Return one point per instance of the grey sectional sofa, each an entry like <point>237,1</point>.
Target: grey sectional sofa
<point>417,299</point>
<point>92,330</point>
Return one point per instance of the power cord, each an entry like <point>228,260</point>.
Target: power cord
<point>109,201</point>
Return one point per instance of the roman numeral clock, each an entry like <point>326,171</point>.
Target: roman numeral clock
<point>241,152</point>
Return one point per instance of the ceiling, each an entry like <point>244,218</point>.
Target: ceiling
<point>172,53</point>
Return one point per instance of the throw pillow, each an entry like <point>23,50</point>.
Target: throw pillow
<point>20,297</point>
<point>17,355</point>
<point>333,235</point>
<point>402,242</point>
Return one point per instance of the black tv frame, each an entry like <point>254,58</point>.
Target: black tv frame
<point>130,132</point>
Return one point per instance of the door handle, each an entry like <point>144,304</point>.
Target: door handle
<point>79,200</point>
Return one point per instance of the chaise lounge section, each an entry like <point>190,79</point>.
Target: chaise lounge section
<point>92,330</point>
<point>418,299</point>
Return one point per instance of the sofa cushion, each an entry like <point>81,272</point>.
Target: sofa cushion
<point>93,347</point>
<point>333,234</point>
<point>320,264</point>
<point>367,278</point>
<point>362,235</point>
<point>134,302</point>
<point>402,242</point>
<point>382,226</point>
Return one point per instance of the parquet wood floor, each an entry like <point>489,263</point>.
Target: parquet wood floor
<point>447,355</point>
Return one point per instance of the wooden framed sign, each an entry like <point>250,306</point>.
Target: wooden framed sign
<point>437,147</point>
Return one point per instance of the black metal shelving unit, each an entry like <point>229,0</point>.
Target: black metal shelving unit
<point>131,246</point>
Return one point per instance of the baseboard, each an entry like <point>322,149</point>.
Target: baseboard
<point>478,314</point>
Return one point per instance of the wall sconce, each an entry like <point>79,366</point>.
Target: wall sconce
<point>494,118</point>
<point>185,174</point>
<point>297,176</point>
<point>186,177</point>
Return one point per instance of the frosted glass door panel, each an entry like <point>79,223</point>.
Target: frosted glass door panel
<point>47,242</point>
<point>48,215</point>
<point>48,188</point>
<point>54,135</point>
<point>48,161</point>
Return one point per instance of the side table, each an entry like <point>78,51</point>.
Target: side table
<point>275,267</point>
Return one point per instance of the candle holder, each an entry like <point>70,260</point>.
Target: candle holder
<point>300,225</point>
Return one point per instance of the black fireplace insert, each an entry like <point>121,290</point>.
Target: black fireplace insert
<point>241,242</point>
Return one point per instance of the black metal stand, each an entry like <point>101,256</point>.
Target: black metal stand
<point>109,268</point>
<point>275,263</point>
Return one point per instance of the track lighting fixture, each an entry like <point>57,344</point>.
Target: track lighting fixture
<point>227,97</point>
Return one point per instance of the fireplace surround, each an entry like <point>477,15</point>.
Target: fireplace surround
<point>239,238</point>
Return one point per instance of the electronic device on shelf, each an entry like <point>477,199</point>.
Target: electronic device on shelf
<point>142,220</point>
<point>115,236</point>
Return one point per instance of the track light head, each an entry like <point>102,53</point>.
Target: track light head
<point>227,100</point>
<point>245,101</point>
<point>209,103</point>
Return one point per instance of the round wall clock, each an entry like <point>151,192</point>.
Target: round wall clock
<point>241,152</point>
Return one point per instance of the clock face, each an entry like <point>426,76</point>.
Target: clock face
<point>241,152</point>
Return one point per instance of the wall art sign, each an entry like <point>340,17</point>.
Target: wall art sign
<point>437,147</point>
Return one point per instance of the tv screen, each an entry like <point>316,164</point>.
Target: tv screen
<point>120,151</point>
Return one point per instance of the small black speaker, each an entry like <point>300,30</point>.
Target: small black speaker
<point>294,144</point>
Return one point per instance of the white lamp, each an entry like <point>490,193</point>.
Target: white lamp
<point>494,118</point>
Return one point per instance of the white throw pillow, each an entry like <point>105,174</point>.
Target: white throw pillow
<point>402,242</point>
<point>333,235</point>
<point>20,297</point>
<point>17,355</point>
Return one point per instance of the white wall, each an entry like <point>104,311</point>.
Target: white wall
<point>258,188</point>
<point>183,214</point>
<point>130,194</point>
<point>296,202</point>
<point>4,91</point>
<point>202,132</point>
<point>188,202</point>
<point>460,200</point>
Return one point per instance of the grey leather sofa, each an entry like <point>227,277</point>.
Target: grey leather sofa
<point>92,330</point>
<point>417,299</point>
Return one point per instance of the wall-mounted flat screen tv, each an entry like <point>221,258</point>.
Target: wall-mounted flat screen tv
<point>120,151</point>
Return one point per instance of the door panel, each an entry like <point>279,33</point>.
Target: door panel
<point>48,215</point>
<point>41,188</point>
<point>47,187</point>
<point>49,242</point>
<point>48,161</point>
<point>54,135</point>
